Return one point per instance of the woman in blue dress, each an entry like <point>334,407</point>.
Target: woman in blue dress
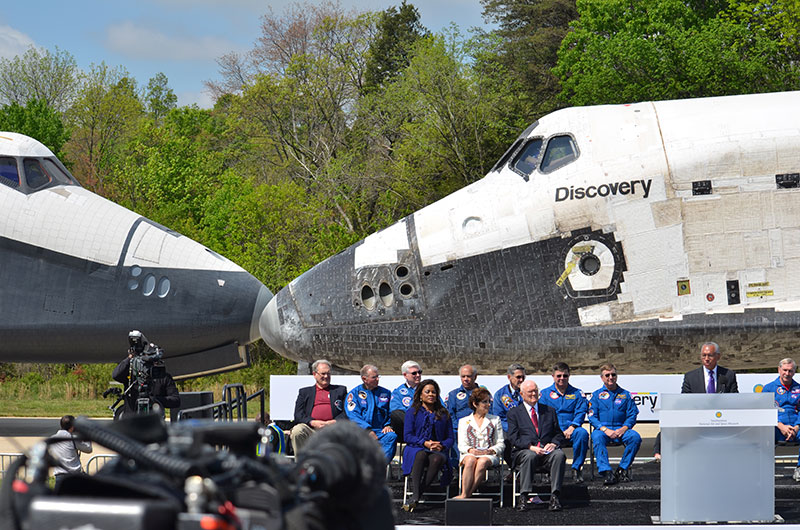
<point>428,434</point>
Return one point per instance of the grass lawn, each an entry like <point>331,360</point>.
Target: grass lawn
<point>96,408</point>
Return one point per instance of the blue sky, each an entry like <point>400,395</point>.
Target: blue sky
<point>181,38</point>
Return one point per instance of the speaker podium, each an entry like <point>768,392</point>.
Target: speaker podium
<point>718,458</point>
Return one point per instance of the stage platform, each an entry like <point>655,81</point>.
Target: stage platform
<point>592,504</point>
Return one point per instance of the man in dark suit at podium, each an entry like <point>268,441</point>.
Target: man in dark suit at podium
<point>710,378</point>
<point>536,439</point>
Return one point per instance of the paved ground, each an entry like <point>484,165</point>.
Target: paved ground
<point>591,503</point>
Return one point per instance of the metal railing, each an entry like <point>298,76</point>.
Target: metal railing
<point>232,407</point>
<point>96,462</point>
<point>5,461</point>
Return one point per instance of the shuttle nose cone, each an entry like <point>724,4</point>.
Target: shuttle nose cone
<point>264,296</point>
<point>270,327</point>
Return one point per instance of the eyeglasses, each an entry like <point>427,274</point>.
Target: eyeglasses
<point>565,376</point>
<point>519,377</point>
<point>418,372</point>
<point>609,375</point>
<point>486,401</point>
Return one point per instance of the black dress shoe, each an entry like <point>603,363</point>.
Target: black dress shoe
<point>555,505</point>
<point>577,475</point>
<point>530,502</point>
<point>622,475</point>
<point>610,478</point>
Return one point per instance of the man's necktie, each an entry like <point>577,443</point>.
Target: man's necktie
<point>712,388</point>
<point>535,420</point>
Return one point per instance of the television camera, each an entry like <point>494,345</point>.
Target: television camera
<point>145,364</point>
<point>202,474</point>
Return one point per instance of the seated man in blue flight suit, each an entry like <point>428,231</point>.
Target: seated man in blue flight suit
<point>368,406</point>
<point>403,395</point>
<point>506,399</point>
<point>571,406</point>
<point>787,398</point>
<point>613,415</point>
<point>457,403</point>
<point>458,398</point>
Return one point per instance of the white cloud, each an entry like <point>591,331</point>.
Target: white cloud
<point>201,99</point>
<point>139,42</point>
<point>13,42</point>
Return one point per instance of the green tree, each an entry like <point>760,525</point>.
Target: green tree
<point>666,49</point>
<point>104,115</point>
<point>159,97</point>
<point>297,117</point>
<point>37,120</point>
<point>41,75</point>
<point>166,172</point>
<point>443,122</point>
<point>530,35</point>
<point>390,50</point>
<point>778,20</point>
<point>275,231</point>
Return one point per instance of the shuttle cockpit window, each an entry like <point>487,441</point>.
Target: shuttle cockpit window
<point>9,175</point>
<point>528,158</point>
<point>41,173</point>
<point>57,172</point>
<point>35,175</point>
<point>560,151</point>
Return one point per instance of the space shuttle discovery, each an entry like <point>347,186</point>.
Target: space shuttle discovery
<point>78,272</point>
<point>622,233</point>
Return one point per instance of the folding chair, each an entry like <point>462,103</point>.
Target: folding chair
<point>611,443</point>
<point>540,471</point>
<point>429,497</point>
<point>499,470</point>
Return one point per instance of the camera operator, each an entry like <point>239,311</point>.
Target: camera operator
<point>144,375</point>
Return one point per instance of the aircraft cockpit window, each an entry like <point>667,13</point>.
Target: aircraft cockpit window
<point>561,150</point>
<point>8,172</point>
<point>504,159</point>
<point>56,172</point>
<point>35,175</point>
<point>528,157</point>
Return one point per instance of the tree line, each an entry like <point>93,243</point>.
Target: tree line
<point>339,122</point>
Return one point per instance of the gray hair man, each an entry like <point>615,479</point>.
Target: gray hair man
<point>787,398</point>
<point>403,395</point>
<point>317,406</point>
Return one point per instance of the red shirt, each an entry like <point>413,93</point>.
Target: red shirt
<point>322,405</point>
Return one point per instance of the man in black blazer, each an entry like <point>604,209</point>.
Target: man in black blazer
<point>710,378</point>
<point>317,406</point>
<point>536,439</point>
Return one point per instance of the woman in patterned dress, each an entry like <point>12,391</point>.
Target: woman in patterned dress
<point>480,441</point>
